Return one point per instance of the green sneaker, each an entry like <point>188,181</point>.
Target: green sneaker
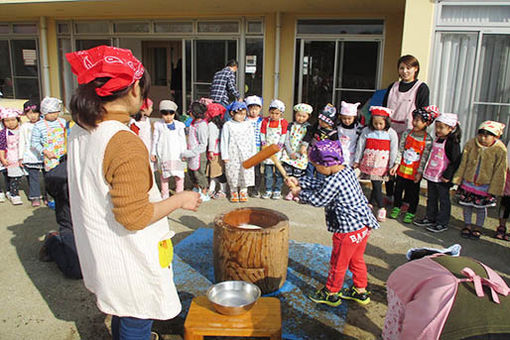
<point>395,212</point>
<point>324,296</point>
<point>353,294</point>
<point>408,218</point>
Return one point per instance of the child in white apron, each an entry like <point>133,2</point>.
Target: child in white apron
<point>215,116</point>
<point>273,131</point>
<point>349,130</point>
<point>9,144</point>
<point>254,104</point>
<point>237,145</point>
<point>295,154</point>
<point>169,141</point>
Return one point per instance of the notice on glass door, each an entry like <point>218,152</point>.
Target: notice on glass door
<point>29,57</point>
<point>251,64</point>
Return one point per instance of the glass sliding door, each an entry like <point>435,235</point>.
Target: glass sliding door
<point>209,56</point>
<point>492,99</point>
<point>317,64</point>
<point>332,71</point>
<point>357,71</point>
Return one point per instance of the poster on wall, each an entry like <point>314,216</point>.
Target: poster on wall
<point>29,57</point>
<point>251,64</point>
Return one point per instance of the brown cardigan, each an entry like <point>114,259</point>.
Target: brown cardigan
<point>493,164</point>
<point>126,169</point>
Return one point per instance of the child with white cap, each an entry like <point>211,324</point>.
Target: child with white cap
<point>254,104</point>
<point>49,134</point>
<point>169,141</point>
<point>9,152</point>
<point>444,159</point>
<point>295,154</point>
<point>273,131</point>
<point>349,130</point>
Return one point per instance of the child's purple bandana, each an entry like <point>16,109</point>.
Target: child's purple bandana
<point>327,153</point>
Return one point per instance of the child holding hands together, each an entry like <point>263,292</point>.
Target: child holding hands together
<point>348,217</point>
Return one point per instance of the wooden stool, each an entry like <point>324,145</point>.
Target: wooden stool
<point>263,320</point>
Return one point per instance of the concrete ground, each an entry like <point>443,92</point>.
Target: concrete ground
<point>37,301</point>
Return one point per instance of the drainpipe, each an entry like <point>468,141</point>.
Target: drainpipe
<point>44,58</point>
<point>277,55</point>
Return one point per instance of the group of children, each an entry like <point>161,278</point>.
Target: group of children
<point>31,141</point>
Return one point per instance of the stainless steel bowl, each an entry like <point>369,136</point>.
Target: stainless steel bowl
<point>233,297</point>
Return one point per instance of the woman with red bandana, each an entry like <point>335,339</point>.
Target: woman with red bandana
<point>122,234</point>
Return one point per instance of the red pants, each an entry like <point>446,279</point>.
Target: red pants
<point>348,250</point>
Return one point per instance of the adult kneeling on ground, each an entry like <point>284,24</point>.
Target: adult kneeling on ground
<point>122,234</point>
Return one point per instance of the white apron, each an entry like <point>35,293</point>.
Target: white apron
<point>169,146</point>
<point>194,162</point>
<point>273,137</point>
<point>241,146</point>
<point>121,267</point>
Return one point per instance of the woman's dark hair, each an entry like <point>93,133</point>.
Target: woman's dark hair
<point>31,105</point>
<point>456,134</point>
<point>410,61</point>
<point>387,123</point>
<point>87,107</point>
<point>218,121</point>
<point>198,110</point>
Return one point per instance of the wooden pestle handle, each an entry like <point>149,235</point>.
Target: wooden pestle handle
<point>280,168</point>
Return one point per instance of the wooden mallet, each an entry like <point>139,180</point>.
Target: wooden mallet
<point>269,151</point>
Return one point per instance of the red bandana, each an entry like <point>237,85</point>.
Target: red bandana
<point>104,61</point>
<point>146,104</point>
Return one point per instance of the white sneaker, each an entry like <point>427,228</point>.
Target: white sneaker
<point>8,195</point>
<point>16,200</point>
<point>2,197</point>
<point>381,215</point>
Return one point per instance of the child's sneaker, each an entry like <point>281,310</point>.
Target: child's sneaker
<point>353,294</point>
<point>16,200</point>
<point>243,196</point>
<point>234,197</point>
<point>8,195</point>
<point>289,196</point>
<point>408,218</point>
<point>254,194</point>
<point>267,195</point>
<point>36,203</point>
<point>424,222</point>
<point>395,212</point>
<point>324,296</point>
<point>219,194</point>
<point>2,197</point>
<point>381,215</point>
<point>277,195</point>
<point>437,228</point>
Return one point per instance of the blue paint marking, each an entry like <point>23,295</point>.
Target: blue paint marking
<point>307,270</point>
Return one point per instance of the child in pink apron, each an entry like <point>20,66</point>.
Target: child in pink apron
<point>444,159</point>
<point>9,153</point>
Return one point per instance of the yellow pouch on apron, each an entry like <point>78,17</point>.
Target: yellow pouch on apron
<point>166,252</point>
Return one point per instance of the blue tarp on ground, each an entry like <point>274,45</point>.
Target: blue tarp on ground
<point>307,270</point>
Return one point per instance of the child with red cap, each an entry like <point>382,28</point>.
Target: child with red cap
<point>348,217</point>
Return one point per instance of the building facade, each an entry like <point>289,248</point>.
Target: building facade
<point>312,51</point>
